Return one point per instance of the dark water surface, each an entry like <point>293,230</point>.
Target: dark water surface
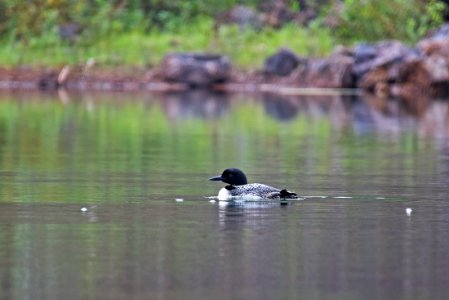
<point>358,163</point>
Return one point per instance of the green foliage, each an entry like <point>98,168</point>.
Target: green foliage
<point>23,19</point>
<point>372,20</point>
<point>247,48</point>
<point>139,32</point>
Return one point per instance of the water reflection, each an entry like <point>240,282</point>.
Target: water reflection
<point>127,157</point>
<point>365,115</point>
<point>280,108</point>
<point>235,214</point>
<point>196,103</point>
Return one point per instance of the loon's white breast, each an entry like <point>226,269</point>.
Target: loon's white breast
<point>224,195</point>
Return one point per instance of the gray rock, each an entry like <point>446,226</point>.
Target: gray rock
<point>380,55</point>
<point>333,72</point>
<point>363,53</point>
<point>195,69</point>
<point>436,42</point>
<point>282,63</point>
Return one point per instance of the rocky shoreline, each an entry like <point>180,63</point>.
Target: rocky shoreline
<point>385,69</point>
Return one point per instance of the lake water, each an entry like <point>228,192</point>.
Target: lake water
<point>357,163</point>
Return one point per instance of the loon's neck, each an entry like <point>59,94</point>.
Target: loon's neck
<point>230,187</point>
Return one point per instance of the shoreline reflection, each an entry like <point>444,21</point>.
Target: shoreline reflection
<point>364,114</point>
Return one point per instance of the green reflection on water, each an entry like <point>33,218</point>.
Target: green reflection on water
<point>127,157</point>
<point>129,148</point>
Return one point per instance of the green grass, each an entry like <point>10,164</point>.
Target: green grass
<point>247,48</point>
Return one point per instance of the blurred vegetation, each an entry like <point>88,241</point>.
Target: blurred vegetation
<point>27,19</point>
<point>139,32</point>
<point>407,20</point>
<point>246,47</point>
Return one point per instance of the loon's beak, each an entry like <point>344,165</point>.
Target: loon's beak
<point>216,178</point>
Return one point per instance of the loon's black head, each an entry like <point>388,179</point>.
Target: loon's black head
<point>231,176</point>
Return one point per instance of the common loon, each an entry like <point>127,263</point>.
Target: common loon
<point>239,188</point>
